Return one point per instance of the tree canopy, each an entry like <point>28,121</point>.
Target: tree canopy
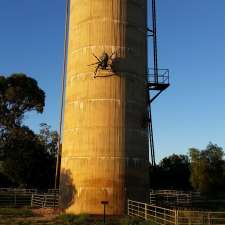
<point>177,172</point>
<point>201,170</point>
<point>18,95</point>
<point>49,138</point>
<point>26,159</point>
<point>173,172</point>
<point>208,169</point>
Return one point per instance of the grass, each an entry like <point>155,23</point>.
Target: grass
<point>69,219</point>
<point>87,220</point>
<point>13,212</point>
<point>27,217</point>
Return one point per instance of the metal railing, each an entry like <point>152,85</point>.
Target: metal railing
<point>175,192</point>
<point>17,190</point>
<point>45,201</point>
<point>53,191</point>
<point>14,199</point>
<point>174,198</point>
<point>164,216</point>
<point>156,214</point>
<point>28,198</point>
<point>161,78</point>
<point>37,201</point>
<point>198,218</point>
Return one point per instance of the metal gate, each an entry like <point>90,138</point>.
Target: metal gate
<point>45,200</point>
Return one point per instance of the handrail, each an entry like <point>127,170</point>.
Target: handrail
<point>162,77</point>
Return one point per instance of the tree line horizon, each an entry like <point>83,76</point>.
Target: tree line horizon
<point>28,159</point>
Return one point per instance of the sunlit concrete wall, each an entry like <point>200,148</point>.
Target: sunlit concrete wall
<point>105,137</point>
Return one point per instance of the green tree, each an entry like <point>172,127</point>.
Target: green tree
<point>207,169</point>
<point>26,162</point>
<point>49,138</point>
<point>25,159</point>
<point>176,170</point>
<point>18,94</point>
<point>172,172</point>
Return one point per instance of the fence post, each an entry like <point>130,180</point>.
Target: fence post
<point>209,219</point>
<point>128,208</point>
<point>138,210</point>
<point>146,212</point>
<point>14,198</point>
<point>176,217</point>
<point>164,216</point>
<point>31,201</point>
<point>44,202</point>
<point>54,201</point>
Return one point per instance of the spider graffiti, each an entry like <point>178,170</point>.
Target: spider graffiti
<point>104,62</point>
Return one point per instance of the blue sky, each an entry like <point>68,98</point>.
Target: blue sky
<point>191,43</point>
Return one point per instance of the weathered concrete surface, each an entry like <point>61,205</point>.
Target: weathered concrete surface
<point>105,139</point>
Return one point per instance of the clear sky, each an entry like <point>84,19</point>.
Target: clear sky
<point>191,43</point>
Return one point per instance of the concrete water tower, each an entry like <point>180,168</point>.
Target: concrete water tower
<point>105,147</point>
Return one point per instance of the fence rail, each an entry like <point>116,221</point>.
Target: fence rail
<point>173,198</point>
<point>196,217</point>
<point>164,216</point>
<point>28,199</point>
<point>17,190</point>
<point>51,200</point>
<point>156,214</point>
<point>162,76</point>
<point>14,199</point>
<point>37,201</point>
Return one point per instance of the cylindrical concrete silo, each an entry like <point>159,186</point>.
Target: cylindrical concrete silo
<point>105,137</point>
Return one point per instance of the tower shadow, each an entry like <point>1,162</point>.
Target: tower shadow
<point>67,189</point>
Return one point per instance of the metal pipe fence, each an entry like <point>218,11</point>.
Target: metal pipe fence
<point>45,201</point>
<point>15,199</point>
<point>156,214</point>
<point>28,198</point>
<point>173,198</point>
<point>17,190</point>
<point>164,216</point>
<point>198,217</point>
